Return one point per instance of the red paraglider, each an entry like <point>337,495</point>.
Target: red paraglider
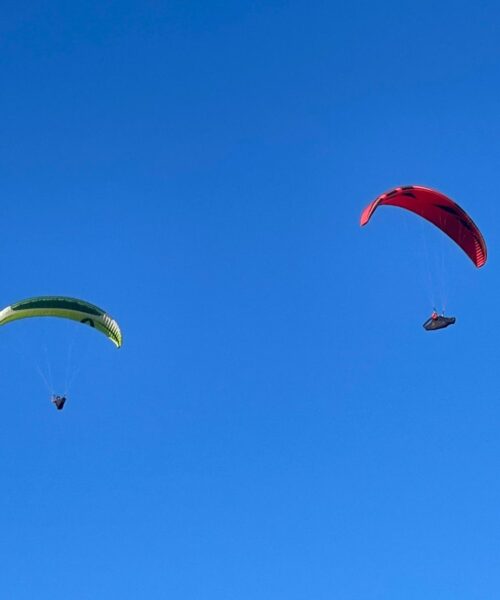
<point>439,210</point>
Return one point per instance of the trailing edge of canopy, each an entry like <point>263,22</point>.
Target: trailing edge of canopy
<point>65,308</point>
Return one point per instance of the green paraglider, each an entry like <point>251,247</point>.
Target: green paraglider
<point>64,308</point>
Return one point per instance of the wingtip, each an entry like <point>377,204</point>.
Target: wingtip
<point>365,215</point>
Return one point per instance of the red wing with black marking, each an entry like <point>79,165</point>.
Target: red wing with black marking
<point>439,210</point>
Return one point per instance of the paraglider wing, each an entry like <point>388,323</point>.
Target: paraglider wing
<point>66,308</point>
<point>440,210</point>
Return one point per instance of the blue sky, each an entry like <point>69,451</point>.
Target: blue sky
<point>277,423</point>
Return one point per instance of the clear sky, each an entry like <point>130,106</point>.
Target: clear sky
<point>277,425</point>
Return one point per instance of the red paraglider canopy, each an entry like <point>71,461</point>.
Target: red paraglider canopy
<point>439,210</point>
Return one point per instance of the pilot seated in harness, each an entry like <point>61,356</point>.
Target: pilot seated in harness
<point>436,321</point>
<point>59,401</point>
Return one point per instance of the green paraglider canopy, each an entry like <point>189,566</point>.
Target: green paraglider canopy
<point>64,308</point>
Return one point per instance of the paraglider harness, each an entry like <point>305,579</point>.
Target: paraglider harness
<point>59,401</point>
<point>436,321</point>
